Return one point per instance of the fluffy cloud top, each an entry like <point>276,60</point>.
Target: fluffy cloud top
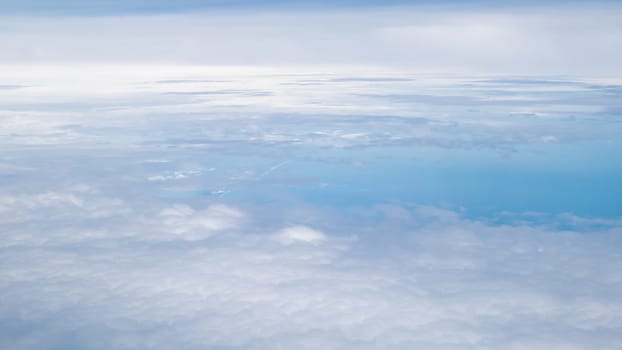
<point>299,234</point>
<point>416,278</point>
<point>183,221</point>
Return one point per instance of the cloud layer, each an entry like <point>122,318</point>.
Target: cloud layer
<point>562,38</point>
<point>211,277</point>
<point>349,107</point>
<point>416,176</point>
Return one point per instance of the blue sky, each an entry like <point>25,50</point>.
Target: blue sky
<point>335,175</point>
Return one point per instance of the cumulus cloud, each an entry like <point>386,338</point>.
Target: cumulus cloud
<point>186,223</point>
<point>68,204</point>
<point>440,282</point>
<point>299,234</point>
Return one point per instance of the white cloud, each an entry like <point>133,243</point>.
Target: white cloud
<point>228,257</point>
<point>68,204</point>
<point>184,222</point>
<point>121,106</point>
<point>300,234</point>
<point>576,39</point>
<point>444,283</point>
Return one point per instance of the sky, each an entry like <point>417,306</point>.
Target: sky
<point>334,175</point>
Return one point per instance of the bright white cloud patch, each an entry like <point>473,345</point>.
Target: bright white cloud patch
<point>299,234</point>
<point>73,203</point>
<point>186,223</point>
